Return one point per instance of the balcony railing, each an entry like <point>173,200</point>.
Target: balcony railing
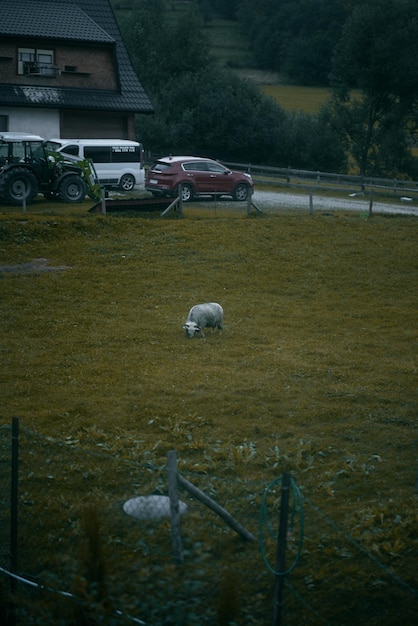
<point>38,69</point>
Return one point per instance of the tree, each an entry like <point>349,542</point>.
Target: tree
<point>375,86</point>
<point>204,109</point>
<point>310,142</point>
<point>214,113</point>
<point>161,50</point>
<point>295,37</point>
<point>227,8</point>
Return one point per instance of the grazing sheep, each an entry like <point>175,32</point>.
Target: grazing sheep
<point>209,314</point>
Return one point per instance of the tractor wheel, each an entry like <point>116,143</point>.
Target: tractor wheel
<point>72,189</point>
<point>18,184</point>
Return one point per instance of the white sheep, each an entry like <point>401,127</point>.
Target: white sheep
<point>209,314</point>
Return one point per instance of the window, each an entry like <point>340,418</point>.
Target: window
<point>36,61</point>
<point>4,123</point>
<point>97,155</point>
<point>72,149</point>
<point>160,167</point>
<point>216,167</point>
<point>35,150</point>
<point>18,151</point>
<point>4,153</point>
<point>196,166</point>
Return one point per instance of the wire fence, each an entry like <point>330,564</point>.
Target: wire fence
<point>95,545</point>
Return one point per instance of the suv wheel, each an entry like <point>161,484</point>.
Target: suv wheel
<point>241,192</point>
<point>72,189</point>
<point>17,185</point>
<point>187,192</point>
<point>127,182</point>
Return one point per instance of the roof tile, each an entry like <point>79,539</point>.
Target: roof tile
<point>50,20</point>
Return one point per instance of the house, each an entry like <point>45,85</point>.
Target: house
<point>65,71</point>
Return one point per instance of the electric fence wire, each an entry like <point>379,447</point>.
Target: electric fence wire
<point>359,547</point>
<point>65,594</point>
<point>305,604</point>
<point>297,508</point>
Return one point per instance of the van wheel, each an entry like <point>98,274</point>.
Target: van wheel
<point>127,182</point>
<point>17,185</point>
<point>72,189</point>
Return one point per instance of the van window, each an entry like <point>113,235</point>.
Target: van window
<point>71,149</point>
<point>97,154</point>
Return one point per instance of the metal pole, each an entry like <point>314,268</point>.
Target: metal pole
<point>180,205</point>
<point>250,193</point>
<point>174,507</point>
<point>371,202</point>
<point>281,551</point>
<point>14,494</point>
<point>310,202</point>
<point>103,199</point>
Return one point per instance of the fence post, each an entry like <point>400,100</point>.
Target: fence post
<point>103,199</point>
<point>371,203</point>
<point>180,204</point>
<point>281,551</point>
<point>310,202</point>
<point>174,507</point>
<point>13,500</point>
<point>249,198</point>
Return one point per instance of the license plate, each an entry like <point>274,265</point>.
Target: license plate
<point>153,181</point>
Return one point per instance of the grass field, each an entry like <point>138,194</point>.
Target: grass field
<point>297,98</point>
<point>228,44</point>
<point>315,372</point>
<point>230,47</point>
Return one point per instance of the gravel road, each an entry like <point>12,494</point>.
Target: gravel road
<point>269,201</point>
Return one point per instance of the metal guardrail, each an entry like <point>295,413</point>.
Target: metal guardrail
<point>325,181</point>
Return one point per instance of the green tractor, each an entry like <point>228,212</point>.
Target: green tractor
<point>27,168</point>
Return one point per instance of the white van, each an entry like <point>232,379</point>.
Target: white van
<point>117,161</point>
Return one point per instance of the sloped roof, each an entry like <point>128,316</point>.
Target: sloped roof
<point>76,20</point>
<point>50,20</point>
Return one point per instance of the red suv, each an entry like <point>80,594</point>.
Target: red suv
<point>198,176</point>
